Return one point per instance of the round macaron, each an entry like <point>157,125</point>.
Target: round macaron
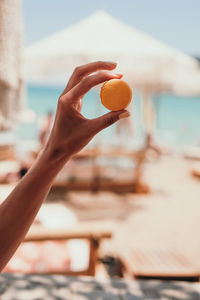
<point>116,94</point>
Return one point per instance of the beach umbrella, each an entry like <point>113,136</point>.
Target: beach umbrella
<point>148,64</point>
<point>142,58</point>
<point>184,83</point>
<point>27,116</point>
<point>11,78</point>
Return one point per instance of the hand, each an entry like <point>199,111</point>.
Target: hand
<point>71,130</point>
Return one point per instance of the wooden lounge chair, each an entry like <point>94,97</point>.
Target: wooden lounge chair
<point>164,265</point>
<point>196,173</point>
<point>93,235</point>
<point>192,153</point>
<point>98,183</point>
<point>117,186</point>
<point>7,152</point>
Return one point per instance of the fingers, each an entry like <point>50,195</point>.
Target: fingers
<point>108,119</point>
<point>82,71</point>
<point>89,82</point>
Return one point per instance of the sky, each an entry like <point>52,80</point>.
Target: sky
<point>175,22</point>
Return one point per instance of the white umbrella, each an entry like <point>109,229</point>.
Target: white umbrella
<point>27,116</point>
<point>147,63</point>
<point>102,37</point>
<point>11,77</point>
<point>184,83</point>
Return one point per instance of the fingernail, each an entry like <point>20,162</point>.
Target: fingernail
<point>124,115</point>
<point>116,74</point>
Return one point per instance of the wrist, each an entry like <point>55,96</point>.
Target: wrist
<point>54,156</point>
<point>46,167</point>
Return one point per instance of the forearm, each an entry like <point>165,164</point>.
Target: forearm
<point>18,211</point>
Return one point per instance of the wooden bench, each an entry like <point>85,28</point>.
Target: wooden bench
<point>7,152</point>
<point>133,184</point>
<point>162,264</point>
<point>93,235</point>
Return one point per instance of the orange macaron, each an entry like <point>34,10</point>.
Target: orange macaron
<point>116,94</point>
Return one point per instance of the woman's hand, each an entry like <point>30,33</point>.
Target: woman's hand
<point>71,131</point>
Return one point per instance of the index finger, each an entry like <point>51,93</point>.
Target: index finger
<point>85,70</point>
<point>90,81</point>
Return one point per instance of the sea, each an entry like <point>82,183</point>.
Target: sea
<point>177,122</point>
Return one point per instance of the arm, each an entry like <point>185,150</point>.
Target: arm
<point>70,133</point>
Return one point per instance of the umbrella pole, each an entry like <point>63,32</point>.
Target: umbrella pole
<point>149,116</point>
<point>141,157</point>
<point>96,172</point>
<point>145,113</point>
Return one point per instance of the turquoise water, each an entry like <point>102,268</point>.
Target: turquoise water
<point>178,118</point>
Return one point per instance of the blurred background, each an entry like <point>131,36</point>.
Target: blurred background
<point>129,202</point>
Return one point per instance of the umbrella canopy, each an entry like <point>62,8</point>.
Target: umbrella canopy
<point>102,37</point>
<point>184,83</point>
<point>11,73</point>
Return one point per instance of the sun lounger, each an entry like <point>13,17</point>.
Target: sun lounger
<point>118,186</point>
<point>93,235</point>
<point>192,153</point>
<point>196,173</point>
<point>98,180</point>
<point>160,264</point>
<point>7,152</point>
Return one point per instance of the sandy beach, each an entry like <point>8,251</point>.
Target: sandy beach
<point>164,221</point>
<point>167,219</point>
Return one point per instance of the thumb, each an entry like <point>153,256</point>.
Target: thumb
<point>109,119</point>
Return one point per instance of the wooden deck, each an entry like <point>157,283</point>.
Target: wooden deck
<point>161,264</point>
<point>50,287</point>
<point>157,235</point>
